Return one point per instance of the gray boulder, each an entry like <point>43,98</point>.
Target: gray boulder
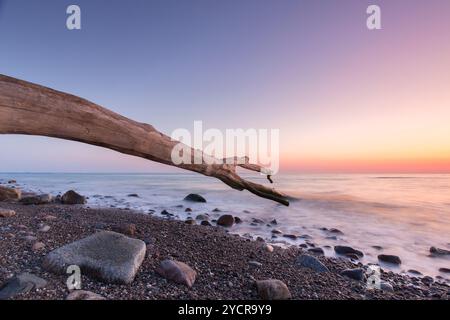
<point>345,250</point>
<point>106,255</point>
<point>389,259</point>
<point>71,197</point>
<point>273,289</point>
<point>310,262</point>
<point>9,193</point>
<point>193,197</point>
<point>355,274</point>
<point>226,220</point>
<point>439,252</point>
<point>22,283</point>
<point>177,272</point>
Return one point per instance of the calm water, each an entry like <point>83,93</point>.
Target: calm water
<point>405,214</point>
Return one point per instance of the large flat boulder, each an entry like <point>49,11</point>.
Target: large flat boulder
<point>9,193</point>
<point>105,255</point>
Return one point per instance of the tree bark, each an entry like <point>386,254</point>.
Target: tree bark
<point>31,109</point>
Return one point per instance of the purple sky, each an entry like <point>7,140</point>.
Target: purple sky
<point>343,97</point>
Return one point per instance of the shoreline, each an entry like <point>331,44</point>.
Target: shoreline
<point>227,265</point>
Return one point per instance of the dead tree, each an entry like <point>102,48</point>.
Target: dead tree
<point>31,109</point>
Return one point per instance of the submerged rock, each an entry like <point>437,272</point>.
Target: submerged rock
<point>22,283</point>
<point>318,251</point>
<point>335,231</point>
<point>439,252</point>
<point>202,217</point>
<point>71,197</point>
<point>273,289</point>
<point>310,262</point>
<point>444,270</point>
<point>389,259</point>
<point>9,193</point>
<point>133,195</point>
<point>344,250</point>
<point>108,256</point>
<point>193,197</point>
<point>177,272</point>
<point>226,220</point>
<point>415,272</point>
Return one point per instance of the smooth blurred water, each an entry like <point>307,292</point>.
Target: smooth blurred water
<point>405,214</point>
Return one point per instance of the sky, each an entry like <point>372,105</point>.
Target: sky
<point>345,98</point>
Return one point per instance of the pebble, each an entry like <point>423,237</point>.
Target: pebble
<point>310,262</point>
<point>38,246</point>
<point>255,263</point>
<point>193,197</point>
<point>178,272</point>
<point>389,259</point>
<point>355,274</point>
<point>343,250</point>
<point>226,220</point>
<point>386,286</point>
<point>4,213</point>
<point>272,289</point>
<point>44,228</point>
<point>318,251</point>
<point>84,295</point>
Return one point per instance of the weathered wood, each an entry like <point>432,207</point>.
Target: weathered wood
<point>31,109</point>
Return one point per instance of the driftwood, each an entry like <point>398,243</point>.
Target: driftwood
<point>31,109</point>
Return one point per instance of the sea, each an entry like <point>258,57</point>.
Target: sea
<point>399,214</point>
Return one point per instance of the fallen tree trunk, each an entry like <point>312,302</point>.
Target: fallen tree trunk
<point>31,109</point>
